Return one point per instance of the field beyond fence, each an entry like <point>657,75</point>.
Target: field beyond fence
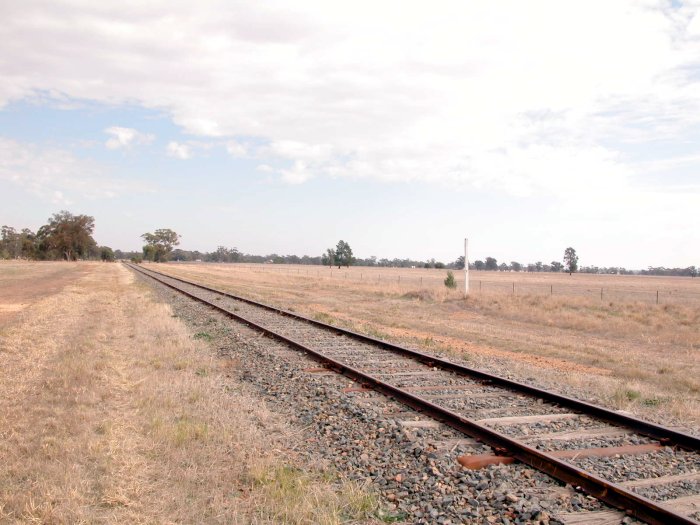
<point>626,288</point>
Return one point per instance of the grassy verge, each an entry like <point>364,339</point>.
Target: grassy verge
<point>111,411</point>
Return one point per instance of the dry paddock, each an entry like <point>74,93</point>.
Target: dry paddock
<point>112,412</point>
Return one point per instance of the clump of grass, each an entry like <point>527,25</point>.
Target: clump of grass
<point>323,317</point>
<point>290,495</point>
<point>421,295</point>
<point>204,336</point>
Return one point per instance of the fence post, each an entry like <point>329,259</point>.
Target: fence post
<point>513,287</point>
<point>601,294</point>
<point>657,297</point>
<point>551,289</point>
<point>479,285</point>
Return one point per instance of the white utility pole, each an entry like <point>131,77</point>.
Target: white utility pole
<point>466,269</point>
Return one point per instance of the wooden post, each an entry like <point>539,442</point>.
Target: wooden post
<point>657,297</point>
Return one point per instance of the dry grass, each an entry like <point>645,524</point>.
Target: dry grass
<point>110,411</point>
<point>22,284</point>
<point>629,354</point>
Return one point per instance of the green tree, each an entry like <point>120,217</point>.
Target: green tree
<point>557,266</point>
<point>571,260</point>
<point>491,264</point>
<point>450,280</point>
<point>66,236</point>
<point>516,266</point>
<point>328,258</point>
<point>343,254</point>
<point>106,254</point>
<point>10,243</point>
<point>159,244</point>
<point>479,265</point>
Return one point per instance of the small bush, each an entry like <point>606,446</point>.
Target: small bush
<point>137,260</point>
<point>450,280</point>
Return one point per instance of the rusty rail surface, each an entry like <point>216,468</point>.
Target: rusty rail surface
<point>613,494</point>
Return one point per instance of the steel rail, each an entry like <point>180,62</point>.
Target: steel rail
<point>613,494</point>
<point>663,434</point>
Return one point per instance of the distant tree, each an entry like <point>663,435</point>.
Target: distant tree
<point>66,236</point>
<point>159,244</point>
<point>503,267</point>
<point>222,254</point>
<point>516,266</point>
<point>491,263</point>
<point>556,266</point>
<point>328,258</point>
<point>479,265</point>
<point>106,254</point>
<point>459,263</point>
<point>29,244</point>
<point>439,265</point>
<point>539,266</point>
<point>343,254</point>
<point>149,253</point>
<point>571,260</point>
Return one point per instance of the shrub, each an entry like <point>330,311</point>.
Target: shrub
<point>450,280</point>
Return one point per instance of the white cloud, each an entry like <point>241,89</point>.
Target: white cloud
<point>514,96</point>
<point>265,168</point>
<point>126,137</point>
<point>236,149</point>
<point>179,150</point>
<point>57,175</point>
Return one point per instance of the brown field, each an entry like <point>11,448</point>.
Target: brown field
<point>110,411</point>
<point>624,351</point>
<point>22,284</point>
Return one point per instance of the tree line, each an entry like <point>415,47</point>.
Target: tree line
<point>68,237</point>
<point>65,237</point>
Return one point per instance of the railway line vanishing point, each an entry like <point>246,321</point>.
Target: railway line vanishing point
<point>572,441</point>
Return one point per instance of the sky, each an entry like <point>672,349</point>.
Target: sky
<point>401,127</point>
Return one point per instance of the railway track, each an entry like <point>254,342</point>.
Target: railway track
<point>573,441</point>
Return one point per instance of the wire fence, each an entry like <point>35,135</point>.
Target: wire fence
<point>647,289</point>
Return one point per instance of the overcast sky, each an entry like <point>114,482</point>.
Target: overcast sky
<point>400,127</point>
